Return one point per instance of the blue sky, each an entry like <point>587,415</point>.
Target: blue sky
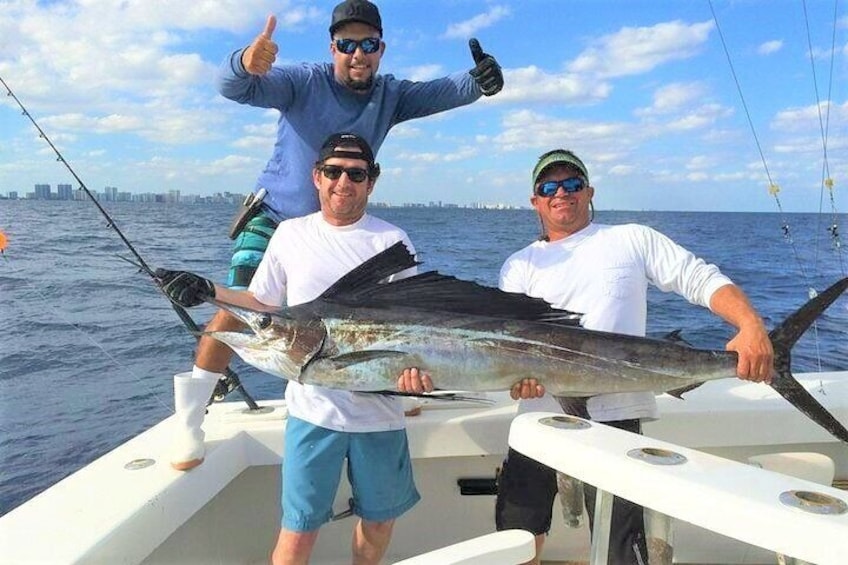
<point>642,90</point>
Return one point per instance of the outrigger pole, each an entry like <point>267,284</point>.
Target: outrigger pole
<point>231,380</point>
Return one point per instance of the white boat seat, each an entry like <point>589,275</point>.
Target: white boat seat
<point>810,466</point>
<point>507,547</point>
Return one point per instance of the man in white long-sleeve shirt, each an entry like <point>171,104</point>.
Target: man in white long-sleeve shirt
<point>603,271</point>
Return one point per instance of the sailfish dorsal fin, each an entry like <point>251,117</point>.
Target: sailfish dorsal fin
<point>435,292</point>
<point>370,273</point>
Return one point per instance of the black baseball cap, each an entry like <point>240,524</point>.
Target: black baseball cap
<point>361,11</point>
<point>335,145</point>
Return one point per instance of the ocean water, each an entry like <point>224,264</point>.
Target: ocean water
<point>88,346</point>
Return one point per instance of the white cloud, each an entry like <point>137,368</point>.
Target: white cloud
<point>698,118</point>
<point>406,131</point>
<point>672,97</point>
<point>621,170</point>
<point>697,177</point>
<point>637,50</point>
<point>470,27</point>
<point>770,47</point>
<point>548,131</point>
<point>700,162</point>
<point>807,118</point>
<point>230,162</point>
<point>422,157</point>
<point>466,152</point>
<point>532,84</point>
<point>253,142</point>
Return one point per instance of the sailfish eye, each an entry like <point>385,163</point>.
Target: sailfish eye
<point>264,321</point>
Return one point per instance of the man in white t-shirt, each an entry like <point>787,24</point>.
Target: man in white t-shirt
<point>304,258</point>
<point>603,271</point>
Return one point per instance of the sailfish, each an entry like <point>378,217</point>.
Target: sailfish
<point>362,332</point>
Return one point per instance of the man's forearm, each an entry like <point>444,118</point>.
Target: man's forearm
<point>732,305</point>
<point>243,298</point>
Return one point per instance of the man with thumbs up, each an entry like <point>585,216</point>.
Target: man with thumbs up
<point>318,99</point>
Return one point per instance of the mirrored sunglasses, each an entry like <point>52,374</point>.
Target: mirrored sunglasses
<point>570,186</point>
<point>334,172</point>
<point>348,46</point>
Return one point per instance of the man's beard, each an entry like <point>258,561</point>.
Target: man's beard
<point>359,85</point>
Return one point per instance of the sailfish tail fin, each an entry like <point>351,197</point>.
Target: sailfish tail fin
<point>783,338</point>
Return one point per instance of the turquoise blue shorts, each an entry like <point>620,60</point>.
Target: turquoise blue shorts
<point>248,249</point>
<point>379,470</point>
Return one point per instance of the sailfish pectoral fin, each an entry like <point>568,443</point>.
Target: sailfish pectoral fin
<point>358,371</point>
<point>679,392</point>
<point>345,360</point>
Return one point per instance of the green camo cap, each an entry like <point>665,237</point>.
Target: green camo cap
<point>559,157</point>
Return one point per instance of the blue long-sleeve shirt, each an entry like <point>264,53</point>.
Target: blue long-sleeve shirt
<point>313,105</point>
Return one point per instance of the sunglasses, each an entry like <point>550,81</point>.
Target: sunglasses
<point>570,186</point>
<point>334,172</point>
<point>348,46</point>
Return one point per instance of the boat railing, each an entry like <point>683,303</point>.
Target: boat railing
<point>787,515</point>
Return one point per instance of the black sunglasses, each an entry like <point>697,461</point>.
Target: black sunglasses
<point>348,46</point>
<point>570,186</point>
<point>334,172</point>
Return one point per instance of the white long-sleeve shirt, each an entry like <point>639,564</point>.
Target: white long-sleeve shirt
<point>603,272</point>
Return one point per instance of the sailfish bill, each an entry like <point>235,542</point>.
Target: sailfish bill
<point>362,332</point>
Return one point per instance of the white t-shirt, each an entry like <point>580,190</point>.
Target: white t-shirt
<point>304,258</point>
<point>603,272</point>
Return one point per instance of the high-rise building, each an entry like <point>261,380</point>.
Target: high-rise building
<point>42,192</point>
<point>66,191</point>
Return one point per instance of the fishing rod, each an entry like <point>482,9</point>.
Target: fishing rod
<point>231,380</point>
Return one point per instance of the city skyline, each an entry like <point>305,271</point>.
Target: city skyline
<point>66,192</point>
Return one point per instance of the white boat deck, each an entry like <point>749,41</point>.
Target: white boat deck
<point>229,506</point>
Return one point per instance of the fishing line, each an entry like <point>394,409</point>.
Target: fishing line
<point>231,380</point>
<point>824,123</point>
<point>773,187</point>
<point>827,182</point>
<point>44,298</point>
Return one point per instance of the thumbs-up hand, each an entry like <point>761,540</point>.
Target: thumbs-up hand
<point>261,54</point>
<point>486,72</point>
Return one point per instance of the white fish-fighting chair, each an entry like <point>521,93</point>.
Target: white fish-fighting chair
<point>810,466</point>
<point>507,547</point>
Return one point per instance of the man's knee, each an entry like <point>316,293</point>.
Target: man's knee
<point>293,547</point>
<point>378,528</point>
<point>371,540</point>
<point>224,321</point>
<point>211,354</point>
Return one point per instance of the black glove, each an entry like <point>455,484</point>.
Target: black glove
<point>487,73</point>
<point>184,288</point>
